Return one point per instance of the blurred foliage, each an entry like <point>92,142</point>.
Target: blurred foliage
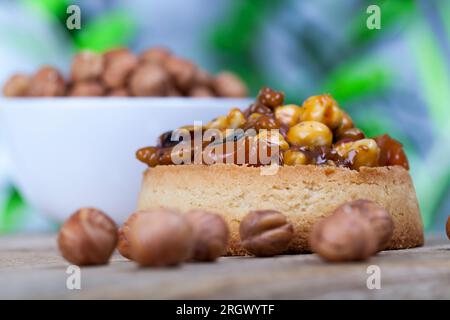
<point>13,211</point>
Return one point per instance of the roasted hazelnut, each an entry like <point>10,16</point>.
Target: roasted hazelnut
<point>201,91</point>
<point>118,92</point>
<point>310,133</point>
<point>182,73</point>
<point>288,115</point>
<point>361,153</point>
<point>258,108</point>
<point>322,108</point>
<point>346,123</point>
<point>391,152</point>
<point>149,80</point>
<point>343,237</point>
<point>259,122</point>
<point>351,134</point>
<point>155,55</point>
<point>235,118</point>
<point>203,78</point>
<point>160,237</point>
<point>294,157</point>
<point>210,235</point>
<point>87,65</point>
<point>265,232</point>
<point>123,245</point>
<point>378,217</point>
<point>448,227</point>
<point>273,139</point>
<point>227,84</point>
<point>148,155</point>
<point>221,123</point>
<point>119,64</point>
<point>87,89</point>
<point>88,237</point>
<point>270,97</point>
<point>47,82</point>
<point>16,86</point>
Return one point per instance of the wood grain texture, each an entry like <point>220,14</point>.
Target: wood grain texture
<point>31,268</point>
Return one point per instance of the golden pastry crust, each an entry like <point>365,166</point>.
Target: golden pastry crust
<point>305,193</point>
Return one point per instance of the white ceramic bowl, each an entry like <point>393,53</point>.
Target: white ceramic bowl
<point>67,153</point>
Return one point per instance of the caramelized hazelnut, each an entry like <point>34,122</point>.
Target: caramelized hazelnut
<point>160,237</point>
<point>148,155</point>
<point>379,219</point>
<point>221,123</point>
<point>235,118</point>
<point>88,237</point>
<point>260,122</point>
<point>182,72</point>
<point>118,66</point>
<point>362,153</point>
<point>288,115</point>
<point>258,108</point>
<point>343,237</point>
<point>351,134</point>
<point>16,86</point>
<point>391,152</point>
<point>227,84</point>
<point>149,80</point>
<point>87,65</point>
<point>322,108</point>
<point>346,123</point>
<point>270,97</point>
<point>155,55</point>
<point>210,235</point>
<point>47,82</point>
<point>265,232</point>
<point>273,139</point>
<point>310,133</point>
<point>87,89</point>
<point>294,157</point>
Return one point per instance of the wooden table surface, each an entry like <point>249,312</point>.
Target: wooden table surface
<point>31,268</point>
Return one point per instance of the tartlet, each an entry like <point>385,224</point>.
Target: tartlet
<point>322,161</point>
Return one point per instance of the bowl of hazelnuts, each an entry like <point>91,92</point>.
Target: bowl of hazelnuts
<point>72,139</point>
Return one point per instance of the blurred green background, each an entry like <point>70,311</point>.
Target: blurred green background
<point>395,80</point>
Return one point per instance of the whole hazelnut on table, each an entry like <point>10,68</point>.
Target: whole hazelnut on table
<point>87,89</point>
<point>210,235</point>
<point>149,80</point>
<point>265,232</point>
<point>155,55</point>
<point>87,65</point>
<point>88,237</point>
<point>355,231</point>
<point>16,86</point>
<point>343,237</point>
<point>380,220</point>
<point>123,245</point>
<point>227,84</point>
<point>118,66</point>
<point>160,237</point>
<point>47,82</point>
